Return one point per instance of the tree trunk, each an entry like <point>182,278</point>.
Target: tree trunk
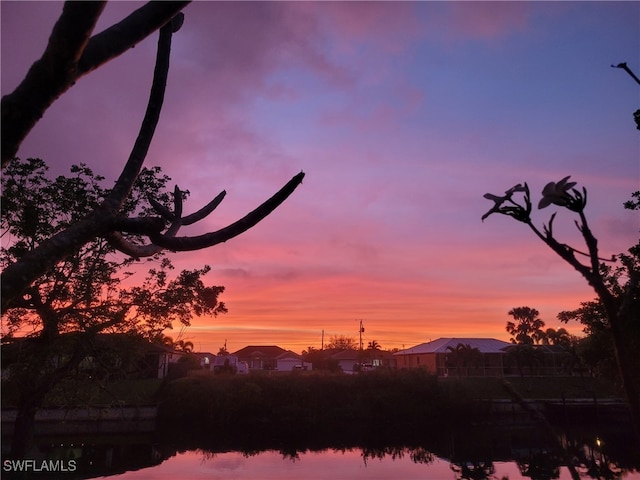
<point>24,426</point>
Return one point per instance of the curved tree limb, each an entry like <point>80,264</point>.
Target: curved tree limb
<point>161,210</point>
<point>183,244</point>
<point>132,168</point>
<point>204,211</point>
<point>71,54</point>
<point>117,240</point>
<point>122,36</point>
<point>49,76</point>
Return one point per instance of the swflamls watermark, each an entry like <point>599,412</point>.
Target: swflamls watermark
<point>39,465</point>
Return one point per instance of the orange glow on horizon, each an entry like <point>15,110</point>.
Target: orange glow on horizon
<point>294,317</point>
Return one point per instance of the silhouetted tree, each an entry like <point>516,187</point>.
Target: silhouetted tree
<point>617,288</point>
<point>321,360</point>
<point>464,356</point>
<point>184,346</point>
<point>373,345</point>
<point>558,337</point>
<point>528,329</point>
<point>61,315</point>
<point>70,54</point>
<point>473,470</point>
<point>596,350</point>
<point>342,342</point>
<point>525,355</point>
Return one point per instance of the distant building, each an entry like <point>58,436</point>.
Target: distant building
<point>351,360</point>
<point>206,359</point>
<point>271,357</point>
<point>348,360</point>
<point>441,358</point>
<point>229,364</point>
<point>290,361</point>
<point>540,360</point>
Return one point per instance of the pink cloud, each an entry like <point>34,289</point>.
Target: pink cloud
<point>388,26</point>
<point>489,20</point>
<point>371,100</point>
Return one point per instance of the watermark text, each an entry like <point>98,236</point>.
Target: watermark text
<point>29,465</point>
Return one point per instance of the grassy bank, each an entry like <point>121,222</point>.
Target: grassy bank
<point>318,391</point>
<point>534,388</point>
<point>294,403</point>
<point>382,401</point>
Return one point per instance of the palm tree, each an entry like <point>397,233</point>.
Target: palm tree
<point>162,339</point>
<point>184,346</point>
<point>557,337</point>
<point>464,355</point>
<point>373,345</point>
<point>167,341</point>
<point>528,330</point>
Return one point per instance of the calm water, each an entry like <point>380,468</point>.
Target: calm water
<point>328,464</point>
<point>504,450</point>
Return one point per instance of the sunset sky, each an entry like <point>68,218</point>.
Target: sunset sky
<point>402,115</point>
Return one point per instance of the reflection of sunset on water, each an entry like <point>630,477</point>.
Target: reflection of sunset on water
<point>270,465</point>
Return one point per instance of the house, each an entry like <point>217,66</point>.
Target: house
<point>206,359</point>
<point>351,360</point>
<point>260,357</point>
<point>290,361</point>
<point>374,358</point>
<point>158,360</point>
<point>348,360</point>
<point>451,356</point>
<point>271,357</point>
<point>540,360</point>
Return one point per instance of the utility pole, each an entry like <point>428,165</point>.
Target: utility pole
<point>322,345</point>
<point>361,330</point>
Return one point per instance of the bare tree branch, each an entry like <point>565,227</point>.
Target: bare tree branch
<point>182,244</point>
<point>160,209</point>
<point>117,240</point>
<point>204,211</point>
<point>122,36</point>
<point>626,68</point>
<point>71,54</point>
<point>132,168</point>
<point>139,225</point>
<point>49,76</point>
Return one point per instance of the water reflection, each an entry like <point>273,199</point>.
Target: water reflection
<point>481,452</point>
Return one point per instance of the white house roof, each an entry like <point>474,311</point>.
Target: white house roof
<point>485,345</point>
